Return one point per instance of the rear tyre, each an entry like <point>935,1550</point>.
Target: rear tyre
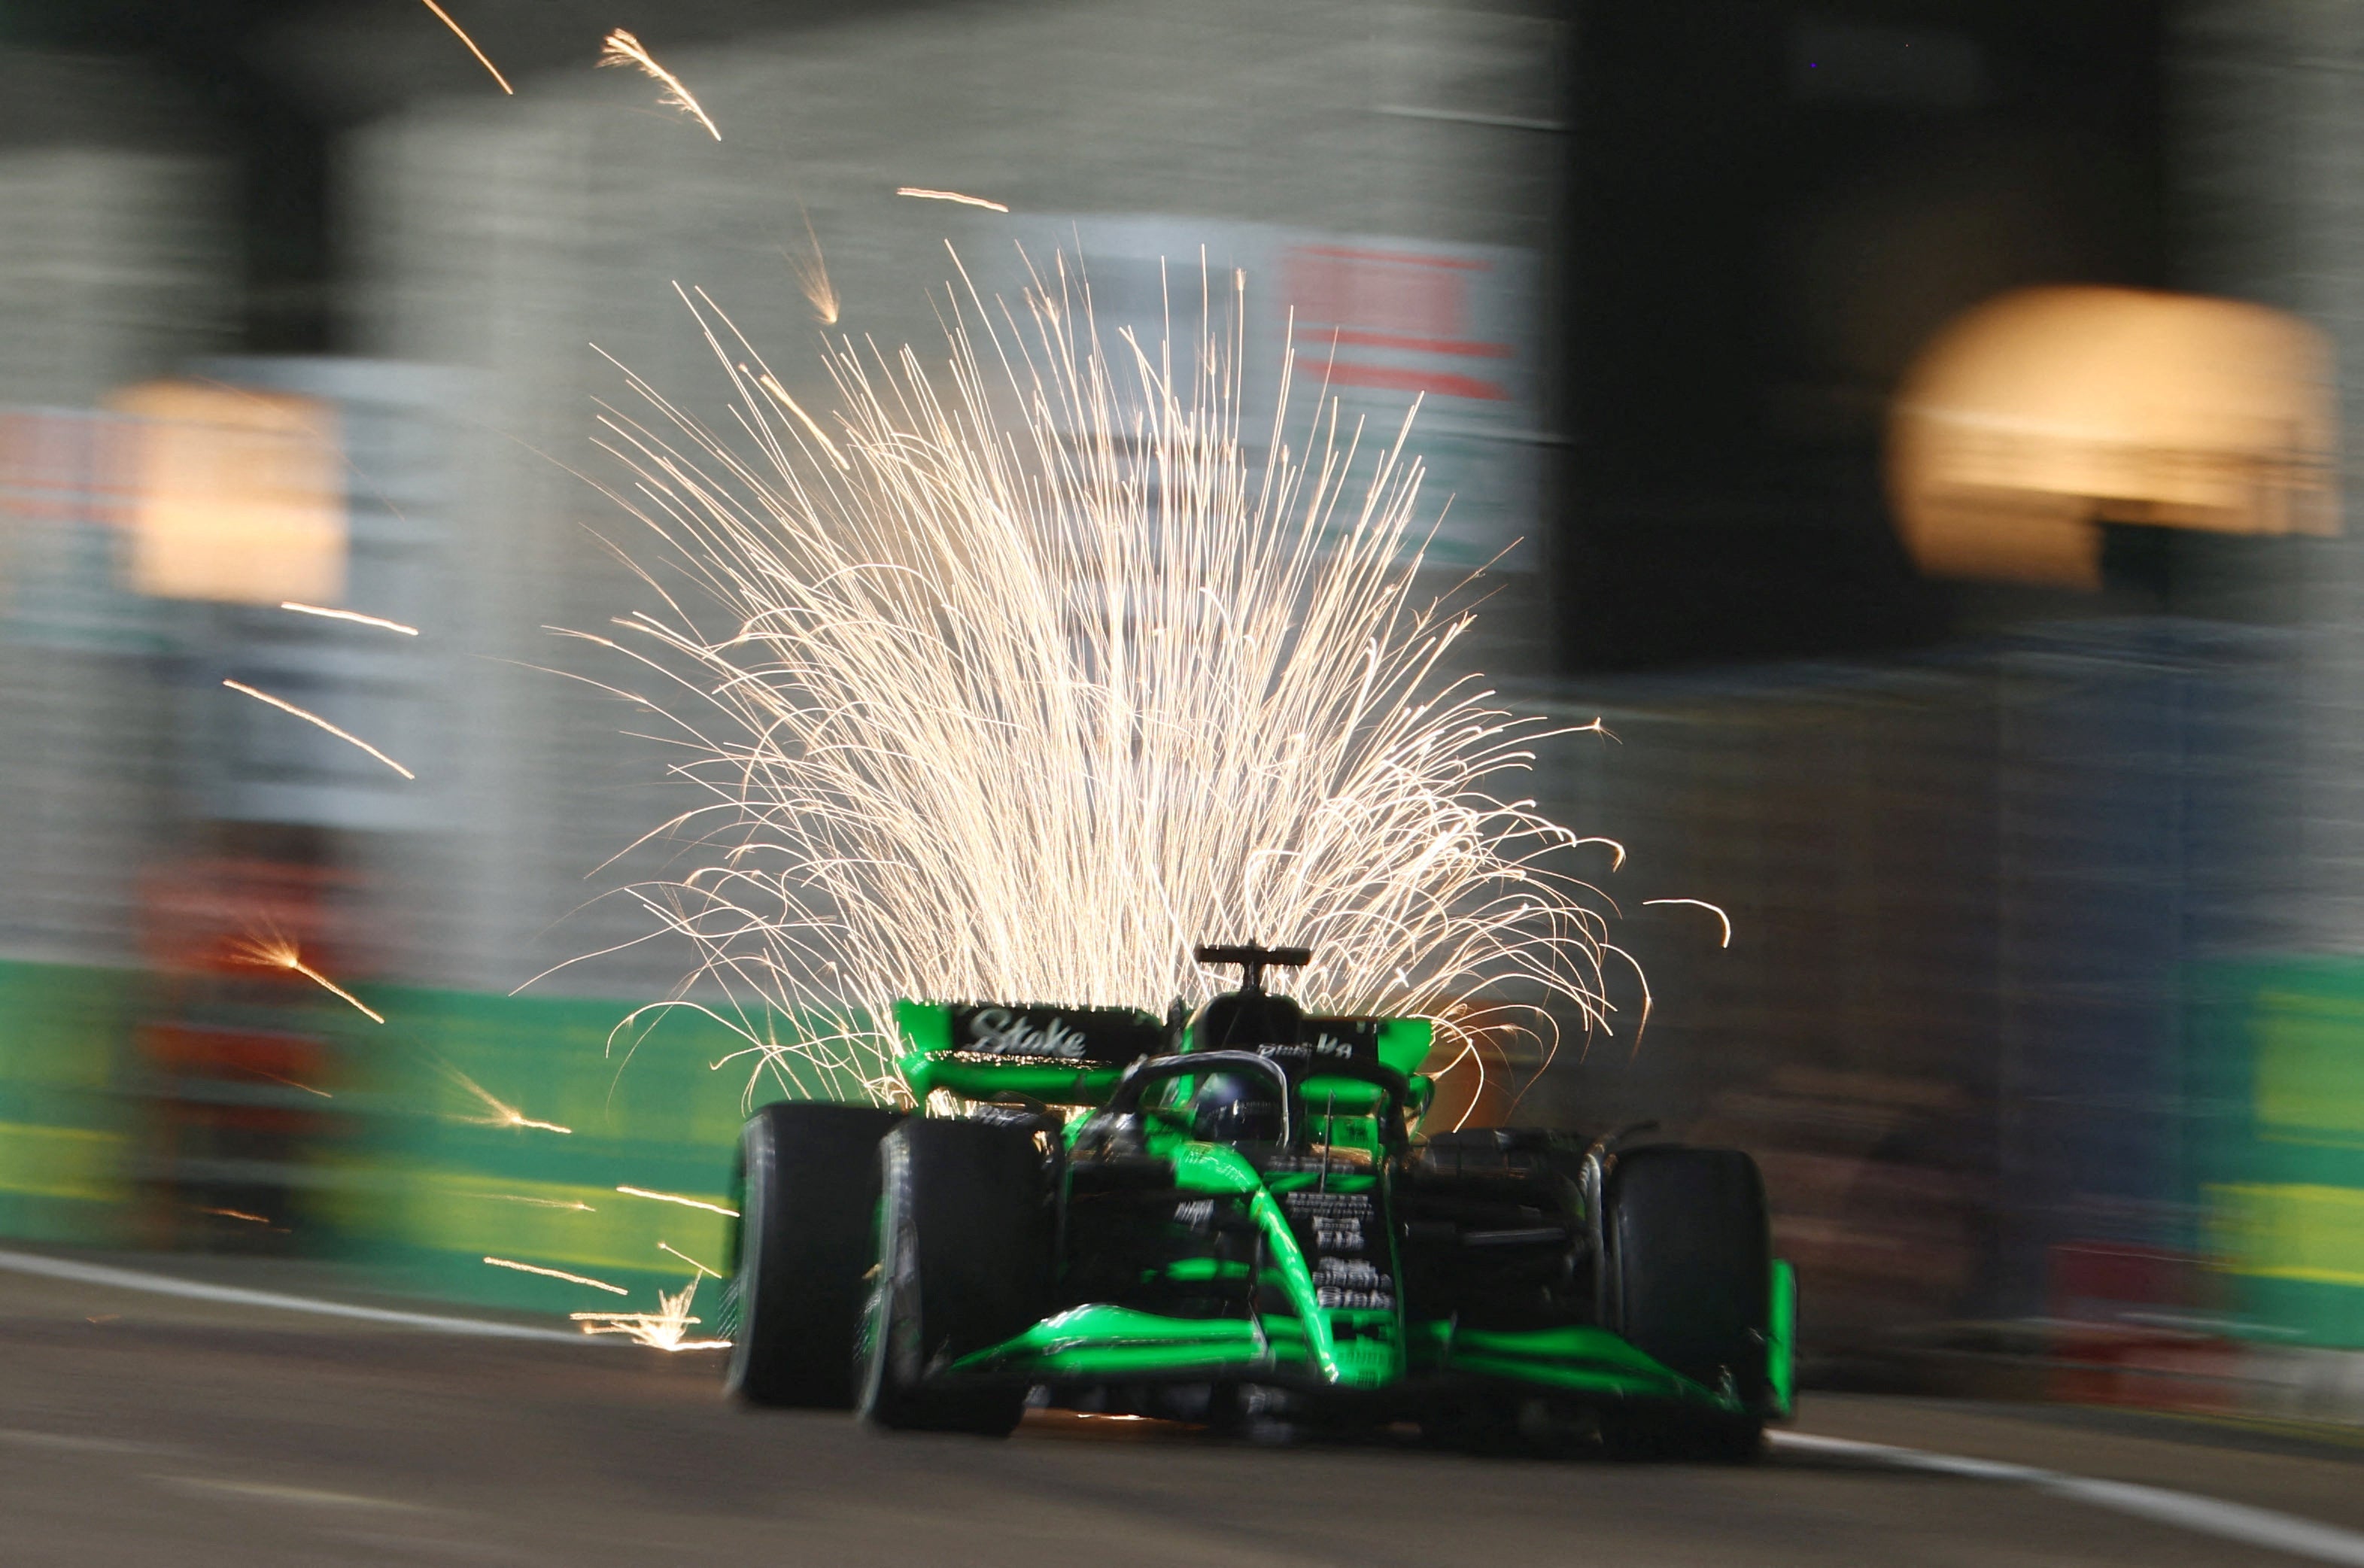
<point>963,1257</point>
<point>1689,1284</point>
<point>808,1186</point>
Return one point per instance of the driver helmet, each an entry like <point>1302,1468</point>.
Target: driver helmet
<point>1236,1107</point>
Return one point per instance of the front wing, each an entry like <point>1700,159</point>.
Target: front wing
<point>1095,1344</point>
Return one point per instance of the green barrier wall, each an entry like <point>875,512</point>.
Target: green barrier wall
<point>2276,1091</point>
<point>65,1121</point>
<point>433,1189</point>
<point>419,1182</point>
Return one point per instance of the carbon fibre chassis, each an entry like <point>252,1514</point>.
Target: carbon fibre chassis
<point>1285,1327</point>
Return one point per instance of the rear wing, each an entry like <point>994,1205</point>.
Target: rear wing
<point>1075,1055</point>
<point>1060,1055</point>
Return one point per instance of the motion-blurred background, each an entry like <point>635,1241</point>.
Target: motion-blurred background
<point>1914,426</point>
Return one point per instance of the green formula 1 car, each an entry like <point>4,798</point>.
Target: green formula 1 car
<point>1239,1219</point>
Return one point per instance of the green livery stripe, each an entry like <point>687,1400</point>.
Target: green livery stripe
<point>1328,1095</point>
<point>1110,1341</point>
<point>1601,1379</point>
<point>1594,1360</point>
<point>1297,1281</point>
<point>1780,1347</point>
<point>1214,1168</point>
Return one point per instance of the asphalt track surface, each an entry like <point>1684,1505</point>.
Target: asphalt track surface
<point>138,1429</point>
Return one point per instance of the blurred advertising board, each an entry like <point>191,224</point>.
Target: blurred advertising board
<point>423,1177</point>
<point>235,494</point>
<point>444,1180</point>
<point>2277,1095</point>
<point>66,1139</point>
<point>64,556</point>
<point>196,522</point>
<point>387,484</point>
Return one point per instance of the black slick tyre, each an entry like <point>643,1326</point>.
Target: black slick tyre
<point>806,1181</point>
<point>964,1262</point>
<point>1689,1284</point>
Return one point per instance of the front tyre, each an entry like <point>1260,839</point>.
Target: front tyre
<point>964,1262</point>
<point>808,1186</point>
<point>1691,1285</point>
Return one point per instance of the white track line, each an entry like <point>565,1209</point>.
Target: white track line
<point>2184,1511</point>
<point>2207,1516</point>
<point>166,1285</point>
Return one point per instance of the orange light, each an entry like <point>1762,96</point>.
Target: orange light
<point>236,496</point>
<point>2042,414</point>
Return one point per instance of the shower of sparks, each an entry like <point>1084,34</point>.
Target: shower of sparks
<point>277,952</point>
<point>236,1214</point>
<point>503,1113</point>
<point>685,1202</point>
<point>926,196</point>
<point>663,1329</point>
<point>1701,904</point>
<point>1060,673</point>
<point>703,1270</point>
<point>813,274</point>
<point>285,707</point>
<point>559,1274</point>
<point>623,49</point>
<point>771,384</point>
<point>535,1201</point>
<point>445,18</point>
<point>353,615</point>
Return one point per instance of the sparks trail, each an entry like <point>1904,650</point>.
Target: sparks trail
<point>811,272</point>
<point>503,1113</point>
<point>780,394</point>
<point>685,1202</point>
<point>284,706</point>
<point>1701,904</point>
<point>703,1272</point>
<point>664,1330</point>
<point>445,18</point>
<point>278,952</point>
<point>353,615</point>
<point>927,195</point>
<point>623,49</point>
<point>1044,669</point>
<point>558,1273</point>
<point>290,1082</point>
